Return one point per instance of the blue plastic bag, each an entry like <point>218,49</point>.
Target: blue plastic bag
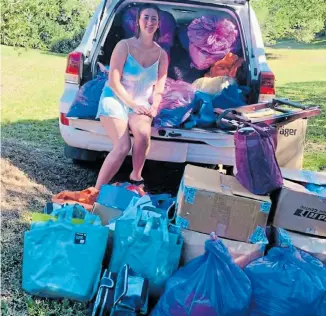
<point>209,285</point>
<point>172,117</point>
<point>286,282</point>
<point>318,189</point>
<point>203,115</point>
<point>229,97</point>
<point>85,104</point>
<point>62,259</point>
<point>148,247</point>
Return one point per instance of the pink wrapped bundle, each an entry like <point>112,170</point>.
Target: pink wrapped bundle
<point>210,39</point>
<point>177,93</point>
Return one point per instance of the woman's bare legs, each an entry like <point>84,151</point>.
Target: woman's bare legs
<point>140,126</point>
<point>118,132</point>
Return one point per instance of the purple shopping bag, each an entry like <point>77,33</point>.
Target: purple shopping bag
<point>257,167</point>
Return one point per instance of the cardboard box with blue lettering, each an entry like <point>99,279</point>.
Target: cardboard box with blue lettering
<point>208,202</point>
<point>299,209</point>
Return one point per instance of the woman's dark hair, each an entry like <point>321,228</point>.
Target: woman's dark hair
<point>140,10</point>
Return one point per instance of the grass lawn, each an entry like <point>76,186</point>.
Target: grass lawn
<point>33,166</point>
<point>300,72</point>
<point>33,82</point>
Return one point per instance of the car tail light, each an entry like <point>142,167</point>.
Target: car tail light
<point>74,67</point>
<point>267,83</point>
<point>63,119</point>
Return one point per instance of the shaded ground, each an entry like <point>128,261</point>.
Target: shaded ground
<point>290,44</point>
<point>30,175</point>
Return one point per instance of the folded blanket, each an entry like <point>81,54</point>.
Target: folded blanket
<point>86,197</point>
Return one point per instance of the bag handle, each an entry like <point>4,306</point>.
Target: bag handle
<point>165,230</point>
<point>66,214</point>
<point>163,227</point>
<point>157,198</point>
<point>154,209</point>
<point>264,131</point>
<point>223,122</point>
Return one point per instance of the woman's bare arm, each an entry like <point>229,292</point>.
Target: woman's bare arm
<point>159,86</point>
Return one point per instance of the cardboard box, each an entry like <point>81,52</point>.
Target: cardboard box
<point>290,144</point>
<point>106,213</point>
<point>316,246</point>
<point>241,252</point>
<point>208,202</point>
<point>297,208</point>
<point>115,196</point>
<point>304,176</point>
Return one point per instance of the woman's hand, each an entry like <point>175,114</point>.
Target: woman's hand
<point>141,110</point>
<point>152,112</point>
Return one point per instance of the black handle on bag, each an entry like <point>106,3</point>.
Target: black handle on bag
<point>222,121</point>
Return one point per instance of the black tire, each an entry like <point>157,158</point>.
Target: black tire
<point>80,155</point>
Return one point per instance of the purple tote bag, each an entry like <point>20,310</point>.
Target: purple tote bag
<point>257,167</point>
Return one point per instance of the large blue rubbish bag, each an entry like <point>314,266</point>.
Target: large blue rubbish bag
<point>62,259</point>
<point>286,282</point>
<point>210,285</point>
<point>85,104</point>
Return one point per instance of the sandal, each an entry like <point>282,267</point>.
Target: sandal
<point>137,183</point>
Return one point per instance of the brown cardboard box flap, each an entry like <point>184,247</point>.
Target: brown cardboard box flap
<point>304,176</point>
<point>106,213</point>
<point>241,252</point>
<point>239,190</point>
<point>203,178</point>
<point>295,186</point>
<point>316,246</point>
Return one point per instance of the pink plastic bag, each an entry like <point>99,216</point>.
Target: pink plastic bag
<point>176,105</point>
<point>176,93</point>
<point>211,38</point>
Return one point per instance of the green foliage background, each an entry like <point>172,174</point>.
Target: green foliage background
<point>58,25</point>
<point>55,25</point>
<point>292,19</point>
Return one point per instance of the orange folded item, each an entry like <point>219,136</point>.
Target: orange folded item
<point>86,197</point>
<point>227,66</point>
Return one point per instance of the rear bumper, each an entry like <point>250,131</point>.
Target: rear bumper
<point>170,150</point>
